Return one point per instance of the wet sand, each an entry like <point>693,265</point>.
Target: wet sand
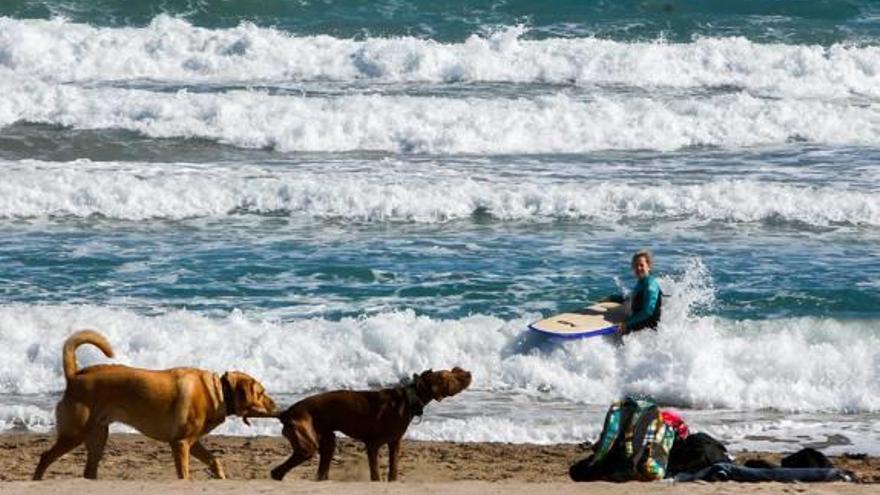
<point>135,464</point>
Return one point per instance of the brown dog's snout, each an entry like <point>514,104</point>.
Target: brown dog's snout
<point>464,375</point>
<point>464,378</point>
<point>447,383</point>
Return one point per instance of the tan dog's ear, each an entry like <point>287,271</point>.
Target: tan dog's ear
<point>244,396</point>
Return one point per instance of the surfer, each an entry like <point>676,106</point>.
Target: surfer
<point>645,299</point>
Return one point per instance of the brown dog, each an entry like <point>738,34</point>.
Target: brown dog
<point>177,406</point>
<point>374,417</point>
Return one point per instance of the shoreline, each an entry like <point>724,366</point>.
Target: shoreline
<point>138,462</point>
<point>407,488</point>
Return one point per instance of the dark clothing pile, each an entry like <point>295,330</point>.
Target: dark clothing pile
<point>726,471</point>
<point>641,442</point>
<point>804,465</point>
<point>696,452</point>
<point>699,457</point>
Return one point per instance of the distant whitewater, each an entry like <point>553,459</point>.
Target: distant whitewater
<point>138,191</point>
<point>588,94</point>
<point>173,50</point>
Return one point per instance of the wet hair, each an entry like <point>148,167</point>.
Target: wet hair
<point>644,253</point>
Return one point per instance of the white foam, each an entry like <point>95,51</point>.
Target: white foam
<point>172,49</point>
<point>481,429</point>
<point>521,393</point>
<point>833,435</point>
<point>26,417</point>
<point>801,364</point>
<point>557,123</point>
<point>133,191</point>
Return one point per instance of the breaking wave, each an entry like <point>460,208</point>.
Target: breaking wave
<point>171,49</point>
<point>133,191</point>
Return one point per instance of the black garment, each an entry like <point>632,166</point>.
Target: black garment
<point>697,451</point>
<point>807,458</point>
<point>724,471</point>
<point>614,467</point>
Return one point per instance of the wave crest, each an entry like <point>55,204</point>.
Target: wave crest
<point>799,364</point>
<point>130,191</point>
<point>551,124</point>
<point>171,49</point>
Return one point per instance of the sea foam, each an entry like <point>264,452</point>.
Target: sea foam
<point>558,123</point>
<point>170,49</point>
<point>797,364</point>
<point>135,191</point>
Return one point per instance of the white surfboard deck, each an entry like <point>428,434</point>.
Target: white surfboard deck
<point>599,319</point>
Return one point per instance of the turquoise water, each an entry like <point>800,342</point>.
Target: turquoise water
<point>338,194</point>
<point>803,22</point>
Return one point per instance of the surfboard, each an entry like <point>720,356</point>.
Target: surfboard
<point>598,319</point>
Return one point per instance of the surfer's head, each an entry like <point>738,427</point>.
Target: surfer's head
<point>642,262</point>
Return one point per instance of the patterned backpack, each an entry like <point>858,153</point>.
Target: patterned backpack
<point>634,430</point>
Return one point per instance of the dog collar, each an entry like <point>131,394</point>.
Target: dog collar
<point>415,403</point>
<point>228,395</point>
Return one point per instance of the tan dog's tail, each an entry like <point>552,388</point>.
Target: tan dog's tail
<point>76,340</point>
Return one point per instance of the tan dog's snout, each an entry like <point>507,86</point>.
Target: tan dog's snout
<point>251,399</point>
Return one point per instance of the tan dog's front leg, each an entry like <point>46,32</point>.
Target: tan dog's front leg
<point>180,451</point>
<point>373,458</point>
<point>203,454</point>
<point>393,456</point>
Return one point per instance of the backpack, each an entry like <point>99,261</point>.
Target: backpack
<point>634,433</point>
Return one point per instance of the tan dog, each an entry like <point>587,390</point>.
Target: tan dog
<point>374,417</point>
<point>177,406</point>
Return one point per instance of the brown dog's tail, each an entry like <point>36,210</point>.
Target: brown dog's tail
<point>76,340</point>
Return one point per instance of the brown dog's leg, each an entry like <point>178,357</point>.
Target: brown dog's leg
<point>293,461</point>
<point>96,440</point>
<point>327,446</point>
<point>180,451</point>
<point>302,439</point>
<point>62,446</point>
<point>201,453</point>
<point>393,456</point>
<point>373,458</point>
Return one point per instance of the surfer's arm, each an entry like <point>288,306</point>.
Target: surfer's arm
<point>652,295</point>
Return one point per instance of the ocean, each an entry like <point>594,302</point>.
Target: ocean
<point>338,194</point>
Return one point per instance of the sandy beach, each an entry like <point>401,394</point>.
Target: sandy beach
<point>135,464</point>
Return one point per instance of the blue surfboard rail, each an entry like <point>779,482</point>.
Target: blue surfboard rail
<point>570,336</point>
